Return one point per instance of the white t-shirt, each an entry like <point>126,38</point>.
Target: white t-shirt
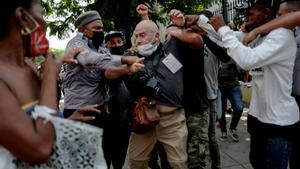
<point>271,62</point>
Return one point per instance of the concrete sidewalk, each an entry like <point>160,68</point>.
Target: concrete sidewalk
<point>235,155</point>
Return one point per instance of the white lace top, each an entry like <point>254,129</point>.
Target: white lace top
<point>6,159</point>
<point>77,145</point>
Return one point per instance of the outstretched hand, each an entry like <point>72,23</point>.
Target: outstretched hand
<point>249,37</point>
<point>129,60</point>
<point>217,21</point>
<point>137,65</point>
<point>80,114</point>
<point>69,56</point>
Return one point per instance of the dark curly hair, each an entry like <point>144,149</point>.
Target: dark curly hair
<point>6,12</point>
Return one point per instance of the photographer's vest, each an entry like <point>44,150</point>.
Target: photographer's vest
<point>166,65</point>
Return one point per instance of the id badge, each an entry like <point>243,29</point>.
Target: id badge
<point>172,63</point>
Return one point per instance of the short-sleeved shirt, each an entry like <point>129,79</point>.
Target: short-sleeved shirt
<point>84,84</point>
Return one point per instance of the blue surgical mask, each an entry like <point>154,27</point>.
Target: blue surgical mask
<point>147,49</point>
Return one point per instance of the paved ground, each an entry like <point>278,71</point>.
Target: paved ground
<point>235,155</point>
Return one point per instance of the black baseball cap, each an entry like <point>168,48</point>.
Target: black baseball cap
<point>112,34</point>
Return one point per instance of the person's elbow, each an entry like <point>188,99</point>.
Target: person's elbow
<point>41,153</point>
<point>109,75</point>
<point>197,41</point>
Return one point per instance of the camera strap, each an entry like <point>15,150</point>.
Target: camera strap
<point>156,59</point>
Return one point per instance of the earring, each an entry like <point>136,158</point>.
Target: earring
<point>25,31</point>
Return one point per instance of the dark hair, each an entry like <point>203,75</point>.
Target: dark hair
<point>273,6</point>
<point>6,12</point>
<point>206,13</point>
<point>294,4</point>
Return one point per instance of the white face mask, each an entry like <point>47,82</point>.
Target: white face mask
<point>147,49</point>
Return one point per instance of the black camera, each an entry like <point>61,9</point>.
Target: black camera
<point>144,84</point>
<point>152,85</point>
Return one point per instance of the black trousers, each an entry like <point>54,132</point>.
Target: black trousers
<point>294,159</point>
<point>116,135</point>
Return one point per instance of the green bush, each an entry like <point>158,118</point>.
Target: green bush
<point>57,52</point>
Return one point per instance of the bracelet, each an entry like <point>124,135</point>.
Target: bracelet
<point>43,112</point>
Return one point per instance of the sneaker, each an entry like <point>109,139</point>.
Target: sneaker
<point>223,136</point>
<point>234,135</point>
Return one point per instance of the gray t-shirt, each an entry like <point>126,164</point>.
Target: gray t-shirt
<point>84,84</point>
<point>211,69</point>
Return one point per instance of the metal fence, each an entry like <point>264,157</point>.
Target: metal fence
<point>216,8</point>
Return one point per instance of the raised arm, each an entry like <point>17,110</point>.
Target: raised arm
<point>88,57</point>
<point>268,52</point>
<point>185,36</point>
<point>288,21</point>
<point>114,72</point>
<point>143,11</point>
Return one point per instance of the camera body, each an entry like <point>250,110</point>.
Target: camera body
<point>152,84</point>
<point>144,83</point>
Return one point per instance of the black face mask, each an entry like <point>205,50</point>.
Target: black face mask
<point>97,38</point>
<point>117,50</point>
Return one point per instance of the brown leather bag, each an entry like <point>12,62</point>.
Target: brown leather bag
<point>144,115</point>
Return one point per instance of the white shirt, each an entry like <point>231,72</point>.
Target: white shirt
<point>208,28</point>
<point>272,61</point>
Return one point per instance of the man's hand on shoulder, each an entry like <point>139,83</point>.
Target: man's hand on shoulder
<point>217,21</point>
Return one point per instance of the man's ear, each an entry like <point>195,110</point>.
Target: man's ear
<point>157,37</point>
<point>82,30</point>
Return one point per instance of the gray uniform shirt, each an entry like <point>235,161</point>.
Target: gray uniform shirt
<point>296,75</point>
<point>84,84</point>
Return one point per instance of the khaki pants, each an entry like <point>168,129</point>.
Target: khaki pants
<point>171,132</point>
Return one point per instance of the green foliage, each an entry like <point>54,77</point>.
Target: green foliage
<point>116,14</point>
<point>62,14</point>
<point>57,52</point>
<point>238,20</point>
